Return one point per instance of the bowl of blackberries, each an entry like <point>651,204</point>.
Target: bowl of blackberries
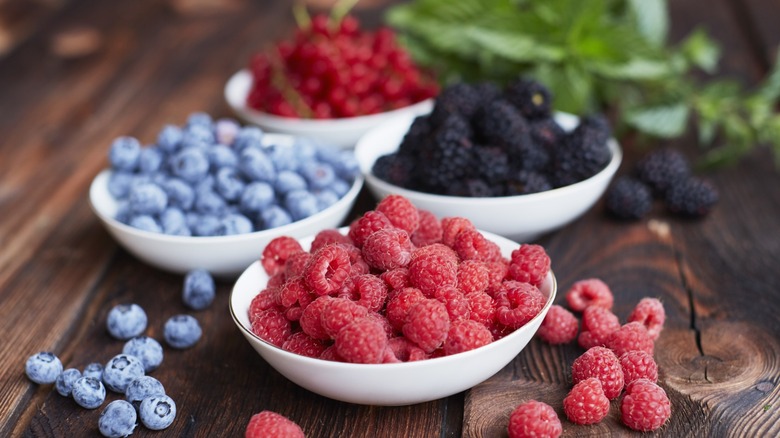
<point>332,81</point>
<point>499,156</point>
<point>210,194</point>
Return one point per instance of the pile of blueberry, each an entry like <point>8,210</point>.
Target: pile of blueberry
<point>126,373</point>
<point>213,178</point>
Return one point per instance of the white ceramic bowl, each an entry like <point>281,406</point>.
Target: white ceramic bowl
<point>343,132</point>
<point>222,256</point>
<point>521,218</point>
<point>394,384</point>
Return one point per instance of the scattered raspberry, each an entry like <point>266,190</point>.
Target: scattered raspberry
<point>327,237</point>
<point>586,402</point>
<point>428,230</point>
<point>497,271</point>
<point>303,344</point>
<point>650,312</point>
<point>534,419</point>
<point>473,276</point>
<point>272,326</point>
<point>431,271</point>
<point>465,335</point>
<point>398,307</point>
<point>296,264</point>
<point>396,279</point>
<point>457,304</point>
<point>598,324</point>
<point>427,324</point>
<point>632,336</point>
<point>371,292</point>
<point>311,319</point>
<point>362,341</point>
<point>327,269</point>
<point>270,424</point>
<point>387,249</point>
<point>638,365</point>
<point>529,264</point>
<point>601,363</point>
<point>559,326</point>
<point>400,211</point>
<point>481,307</point>
<point>366,225</point>
<point>338,312</point>
<point>589,292</point>
<point>645,406</point>
<point>519,304</point>
<point>277,252</point>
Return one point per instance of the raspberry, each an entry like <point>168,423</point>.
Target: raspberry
<point>398,307</point>
<point>645,406</point>
<point>480,307</point>
<point>268,423</point>
<point>327,237</point>
<point>472,245</point>
<point>310,320</point>
<point>396,279</point>
<point>465,335</point>
<point>400,211</point>
<point>366,225</point>
<point>438,249</point>
<point>428,230</point>
<point>559,326</point>
<point>601,363</point>
<point>338,312</point>
<point>303,344</point>
<point>456,302</point>
<point>359,265</point>
<point>262,301</point>
<point>293,313</point>
<point>520,303</point>
<point>296,264</point>
<point>331,354</point>
<point>427,324</point>
<point>534,419</point>
<point>632,336</point>
<point>388,249</point>
<point>497,270</point>
<point>431,271</point>
<point>276,253</point>
<point>327,269</point>
<point>405,351</point>
<point>371,291</point>
<point>650,312</point>
<point>473,276</point>
<point>291,291</point>
<point>589,292</point>
<point>598,324</point>
<point>638,365</point>
<point>272,326</point>
<point>382,321</point>
<point>529,264</point>
<point>362,341</point>
<point>451,226</point>
<point>586,402</point>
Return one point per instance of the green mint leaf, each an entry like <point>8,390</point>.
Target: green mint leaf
<point>662,121</point>
<point>514,46</point>
<point>701,51</point>
<point>652,19</point>
<point>633,70</point>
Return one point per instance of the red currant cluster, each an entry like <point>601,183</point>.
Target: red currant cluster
<point>332,70</point>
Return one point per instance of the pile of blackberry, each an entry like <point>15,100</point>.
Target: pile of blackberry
<point>663,174</point>
<point>484,141</point>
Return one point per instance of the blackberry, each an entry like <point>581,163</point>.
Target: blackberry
<point>448,161</point>
<point>454,128</point>
<point>662,169</point>
<point>491,164</point>
<point>457,98</point>
<point>546,132</point>
<point>419,130</point>
<point>629,198</point>
<point>487,91</point>
<point>396,169</point>
<point>582,153</point>
<point>526,182</point>
<point>472,188</point>
<point>529,155</point>
<point>692,197</point>
<point>501,124</point>
<point>532,98</point>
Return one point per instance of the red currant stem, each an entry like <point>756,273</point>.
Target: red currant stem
<point>301,14</point>
<point>340,10</point>
<point>291,95</point>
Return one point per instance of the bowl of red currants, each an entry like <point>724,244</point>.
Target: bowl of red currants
<point>331,81</point>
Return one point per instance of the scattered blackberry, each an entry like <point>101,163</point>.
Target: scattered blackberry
<point>629,198</point>
<point>530,97</point>
<point>396,169</point>
<point>662,169</point>
<point>546,132</point>
<point>491,164</point>
<point>692,197</point>
<point>525,182</point>
<point>582,153</point>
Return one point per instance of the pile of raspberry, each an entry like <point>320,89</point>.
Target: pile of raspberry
<point>618,361</point>
<point>400,286</point>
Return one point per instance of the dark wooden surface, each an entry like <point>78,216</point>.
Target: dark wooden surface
<point>74,74</point>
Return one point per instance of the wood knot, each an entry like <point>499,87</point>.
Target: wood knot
<point>764,387</point>
<point>76,42</point>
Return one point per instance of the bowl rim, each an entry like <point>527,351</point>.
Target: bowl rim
<point>443,360</point>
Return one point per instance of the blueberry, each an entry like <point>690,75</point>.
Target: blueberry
<point>347,167</point>
<point>301,204</point>
<point>88,392</point>
<point>340,187</point>
<point>64,382</point>
<point>199,118</point>
<point>157,412</point>
<point>126,321</point>
<point>151,160</point>
<point>198,135</point>
<point>94,369</point>
<point>43,367</point>
<point>256,197</point>
<point>180,194</point>
<point>118,419</point>
<point>256,165</point>
<point>283,157</point>
<point>229,184</point>
<point>248,136</point>
<point>182,331</point>
<point>204,224</point>
<point>207,184</point>
<point>141,388</point>
<point>318,175</point>
<point>119,183</point>
<point>287,181</point>
<point>326,198</point>
<point>147,198</point>
<point>124,153</point>
<point>305,149</point>
<point>145,222</point>
<point>169,138</point>
<point>121,370</point>
<point>174,222</point>
<point>209,202</point>
<point>199,289</point>
<point>234,223</point>
<point>226,131</point>
<point>221,156</point>
<point>274,216</point>
<point>147,350</point>
<point>190,164</point>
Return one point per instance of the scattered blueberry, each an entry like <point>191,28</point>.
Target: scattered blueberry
<point>147,349</point>
<point>199,289</point>
<point>124,153</point>
<point>88,392</point>
<point>147,198</point>
<point>64,382</point>
<point>182,331</point>
<point>157,412</point>
<point>301,204</point>
<point>142,387</point>
<point>121,370</point>
<point>126,321</point>
<point>117,420</point>
<point>94,369</point>
<point>43,368</point>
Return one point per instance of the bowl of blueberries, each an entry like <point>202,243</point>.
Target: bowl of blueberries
<point>499,156</point>
<point>210,194</point>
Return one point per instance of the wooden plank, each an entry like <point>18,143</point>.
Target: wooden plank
<point>760,18</point>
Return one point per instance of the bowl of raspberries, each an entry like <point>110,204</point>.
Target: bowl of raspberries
<point>210,194</point>
<point>331,80</point>
<point>499,156</point>
<point>395,309</point>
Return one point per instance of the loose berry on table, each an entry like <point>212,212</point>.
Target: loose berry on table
<point>88,392</point>
<point>64,382</point>
<point>147,350</point>
<point>534,419</point>
<point>117,420</point>
<point>603,364</point>
<point>182,331</point>
<point>157,412</point>
<point>267,424</point>
<point>645,406</point>
<point>559,326</point>
<point>589,292</point>
<point>43,368</point>
<point>142,387</point>
<point>586,402</point>
<point>125,321</point>
<point>199,289</point>
<point>120,370</point>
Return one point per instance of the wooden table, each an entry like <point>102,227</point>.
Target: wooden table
<point>78,73</point>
